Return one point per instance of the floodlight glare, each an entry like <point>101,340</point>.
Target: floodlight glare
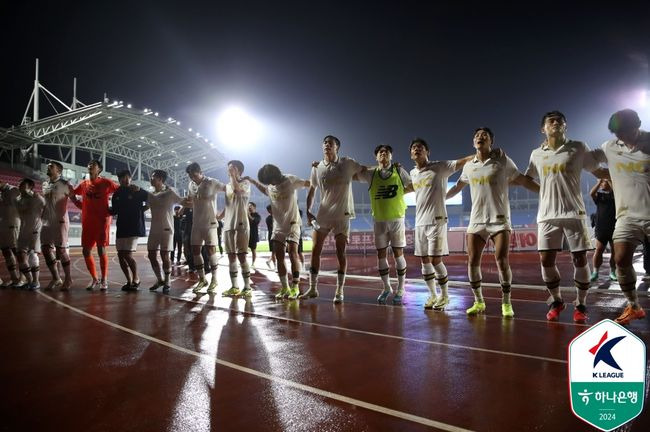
<point>236,127</point>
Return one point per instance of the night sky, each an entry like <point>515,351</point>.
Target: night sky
<point>369,73</point>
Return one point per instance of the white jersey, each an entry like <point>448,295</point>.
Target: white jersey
<point>559,172</point>
<point>630,172</point>
<point>204,197</point>
<point>284,203</point>
<point>30,210</point>
<point>334,180</point>
<point>56,193</point>
<point>488,182</point>
<point>8,213</point>
<point>236,215</point>
<point>162,209</point>
<point>430,185</point>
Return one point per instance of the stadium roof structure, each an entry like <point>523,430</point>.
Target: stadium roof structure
<point>139,137</point>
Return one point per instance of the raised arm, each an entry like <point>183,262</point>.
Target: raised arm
<point>258,185</point>
<point>601,173</point>
<point>455,189</point>
<point>527,182</point>
<point>594,190</point>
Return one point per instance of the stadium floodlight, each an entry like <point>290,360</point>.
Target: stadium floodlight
<point>235,127</point>
<point>128,105</point>
<point>138,124</point>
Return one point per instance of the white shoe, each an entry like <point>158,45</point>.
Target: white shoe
<point>431,300</point>
<point>310,293</point>
<point>338,296</point>
<point>441,303</point>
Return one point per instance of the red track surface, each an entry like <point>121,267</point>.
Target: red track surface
<point>189,363</point>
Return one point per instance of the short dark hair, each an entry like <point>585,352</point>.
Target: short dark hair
<point>27,181</point>
<point>383,146</point>
<point>268,208</point>
<point>123,173</point>
<point>162,175</point>
<point>553,114</point>
<point>419,141</point>
<point>177,207</point>
<point>336,140</point>
<point>192,168</point>
<point>486,130</point>
<point>253,204</point>
<point>57,164</point>
<point>624,120</point>
<point>268,173</point>
<point>237,164</point>
<point>98,163</point>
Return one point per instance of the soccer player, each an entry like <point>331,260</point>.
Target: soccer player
<point>488,178</point>
<point>281,189</point>
<point>387,185</point>
<point>603,197</point>
<point>129,203</point>
<point>95,221</point>
<point>269,231</point>
<point>30,209</point>
<point>429,181</point>
<point>558,163</point>
<point>333,177</point>
<point>178,236</point>
<point>162,233</point>
<point>254,220</point>
<point>54,234</point>
<point>9,226</point>
<point>236,228</point>
<point>203,198</point>
<point>628,158</point>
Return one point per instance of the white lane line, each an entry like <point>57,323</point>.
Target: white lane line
<point>309,389</point>
<point>364,332</point>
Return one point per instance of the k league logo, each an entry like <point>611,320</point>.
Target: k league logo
<point>607,366</point>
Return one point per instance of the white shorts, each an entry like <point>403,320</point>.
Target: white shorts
<point>28,240</point>
<point>55,235</point>
<point>8,237</point>
<point>631,230</point>
<point>393,232</point>
<point>487,230</point>
<point>283,236</point>
<point>129,244</point>
<point>204,234</point>
<point>163,240</point>
<point>236,241</point>
<point>341,226</point>
<point>431,240</point>
<point>551,232</point>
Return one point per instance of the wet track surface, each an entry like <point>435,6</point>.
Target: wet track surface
<point>150,362</point>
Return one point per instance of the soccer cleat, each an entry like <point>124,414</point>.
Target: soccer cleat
<point>126,287</point>
<point>50,285</point>
<point>338,295</point>
<point>202,283</point>
<point>66,285</point>
<point>431,300</point>
<point>554,310</point>
<point>580,314</point>
<point>234,291</point>
<point>594,276</point>
<point>310,293</point>
<point>477,308</point>
<point>506,310</point>
<point>294,292</point>
<point>646,277</point>
<point>212,288</point>
<point>34,286</point>
<point>630,314</point>
<point>397,299</point>
<point>58,284</point>
<point>441,303</point>
<point>284,292</point>
<point>246,292</point>
<point>383,296</point>
<point>103,286</point>
<point>155,286</point>
<point>612,277</point>
<point>93,285</point>
<point>165,289</point>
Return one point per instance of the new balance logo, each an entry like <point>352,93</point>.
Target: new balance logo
<point>386,192</point>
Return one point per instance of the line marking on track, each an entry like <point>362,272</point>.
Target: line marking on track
<point>364,332</point>
<point>309,389</point>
